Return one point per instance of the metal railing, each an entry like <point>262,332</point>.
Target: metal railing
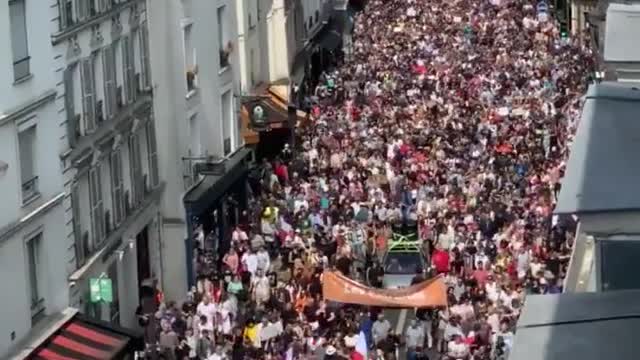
<point>29,189</point>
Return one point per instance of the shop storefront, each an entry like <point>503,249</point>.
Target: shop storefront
<point>215,205</point>
<point>111,288</point>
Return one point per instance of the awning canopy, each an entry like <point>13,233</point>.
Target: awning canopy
<point>200,197</point>
<point>602,173</point>
<point>84,339</point>
<point>427,294</point>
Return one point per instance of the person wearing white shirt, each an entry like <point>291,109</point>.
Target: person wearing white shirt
<point>250,262</point>
<point>263,260</point>
<point>208,309</point>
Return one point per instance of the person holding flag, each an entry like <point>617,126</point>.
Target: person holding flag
<point>360,351</point>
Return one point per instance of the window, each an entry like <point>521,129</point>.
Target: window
<point>88,95</point>
<point>317,15</point>
<point>110,85</point>
<point>19,44</point>
<point>104,5</point>
<point>152,152</point>
<point>223,42</point>
<point>82,9</point>
<point>618,259</point>
<point>27,147</point>
<point>144,57</point>
<point>34,256</point>
<point>258,9</point>
<point>128,69</point>
<point>97,209</point>
<point>310,22</point>
<point>65,8</point>
<point>136,170</point>
<point>227,122</point>
<point>117,188</point>
<point>190,59</point>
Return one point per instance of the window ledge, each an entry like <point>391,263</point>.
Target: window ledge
<point>23,79</point>
<point>29,200</point>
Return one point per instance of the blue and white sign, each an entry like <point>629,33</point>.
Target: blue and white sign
<point>543,11</point>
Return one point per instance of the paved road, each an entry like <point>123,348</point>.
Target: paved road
<point>400,320</point>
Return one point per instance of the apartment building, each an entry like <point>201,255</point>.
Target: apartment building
<point>33,242</point>
<point>110,162</point>
<point>194,58</point>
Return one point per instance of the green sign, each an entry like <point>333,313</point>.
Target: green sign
<point>101,290</point>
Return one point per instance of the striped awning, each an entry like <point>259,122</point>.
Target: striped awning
<point>80,340</point>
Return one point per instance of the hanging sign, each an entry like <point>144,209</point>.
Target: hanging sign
<point>101,290</point>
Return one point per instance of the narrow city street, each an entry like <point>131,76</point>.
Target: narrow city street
<point>223,180</point>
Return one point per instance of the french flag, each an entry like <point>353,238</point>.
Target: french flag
<point>360,352</point>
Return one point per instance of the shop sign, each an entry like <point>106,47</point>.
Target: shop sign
<point>258,116</point>
<point>101,290</point>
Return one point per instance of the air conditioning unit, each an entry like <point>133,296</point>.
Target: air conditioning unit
<point>107,222</point>
<point>99,111</point>
<point>119,99</point>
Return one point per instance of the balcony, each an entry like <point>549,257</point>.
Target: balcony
<point>95,17</point>
<point>30,190</point>
<point>108,129</point>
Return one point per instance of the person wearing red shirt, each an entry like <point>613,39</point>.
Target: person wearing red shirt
<point>440,260</point>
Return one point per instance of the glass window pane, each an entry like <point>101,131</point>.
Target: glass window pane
<point>619,258</point>
<point>18,30</point>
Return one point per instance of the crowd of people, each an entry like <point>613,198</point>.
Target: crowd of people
<point>455,116</point>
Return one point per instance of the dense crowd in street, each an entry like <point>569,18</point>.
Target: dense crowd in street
<point>454,115</point>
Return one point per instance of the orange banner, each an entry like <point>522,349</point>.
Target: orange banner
<point>427,294</point>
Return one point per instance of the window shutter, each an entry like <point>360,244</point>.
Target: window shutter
<point>133,86</point>
<point>88,95</point>
<point>152,152</point>
<point>109,82</point>
<point>116,186</point>
<point>81,252</point>
<point>144,55</point>
<point>70,106</point>
<point>126,65</point>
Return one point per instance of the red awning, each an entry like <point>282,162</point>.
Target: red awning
<point>79,340</point>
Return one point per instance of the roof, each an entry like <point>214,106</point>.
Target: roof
<point>585,326</point>
<point>602,173</point>
<point>622,27</point>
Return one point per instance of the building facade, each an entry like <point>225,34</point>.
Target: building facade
<point>33,242</point>
<point>110,163</point>
<point>194,58</point>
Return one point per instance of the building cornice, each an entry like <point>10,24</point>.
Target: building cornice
<point>28,107</point>
<point>69,32</point>
<point>7,231</point>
